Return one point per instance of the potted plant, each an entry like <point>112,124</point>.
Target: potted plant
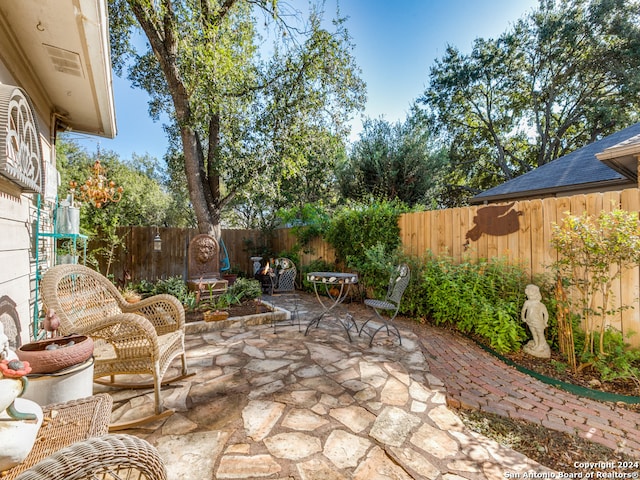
<point>66,253</point>
<point>231,275</point>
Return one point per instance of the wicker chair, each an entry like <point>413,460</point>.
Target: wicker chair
<point>111,456</point>
<point>138,338</point>
<point>390,305</point>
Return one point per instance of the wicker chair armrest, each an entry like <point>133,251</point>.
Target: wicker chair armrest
<point>126,329</point>
<point>165,312</point>
<point>125,455</point>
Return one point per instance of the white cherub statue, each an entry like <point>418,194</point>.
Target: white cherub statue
<point>535,315</point>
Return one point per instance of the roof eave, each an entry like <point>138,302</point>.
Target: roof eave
<point>548,192</point>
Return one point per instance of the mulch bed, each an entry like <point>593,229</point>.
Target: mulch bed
<point>246,308</point>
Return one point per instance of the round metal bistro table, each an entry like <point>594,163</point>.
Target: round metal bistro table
<point>331,289</point>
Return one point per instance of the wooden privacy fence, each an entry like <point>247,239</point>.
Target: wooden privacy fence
<point>139,260</point>
<point>521,232</point>
<point>517,231</point>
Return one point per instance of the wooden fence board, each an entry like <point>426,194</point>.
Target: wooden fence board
<point>472,250</point>
<point>630,280</point>
<point>538,247</point>
<point>609,202</point>
<point>432,242</point>
<point>524,234</point>
<point>444,232</point>
<point>457,233</point>
<point>549,212</point>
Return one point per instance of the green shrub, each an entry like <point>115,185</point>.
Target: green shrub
<point>245,289</point>
<point>355,229</point>
<point>620,362</point>
<point>375,268</point>
<point>175,286</point>
<point>479,297</point>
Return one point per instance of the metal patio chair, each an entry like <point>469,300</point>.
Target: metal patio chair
<point>386,310</point>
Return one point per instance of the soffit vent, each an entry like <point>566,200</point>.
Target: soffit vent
<point>64,61</point>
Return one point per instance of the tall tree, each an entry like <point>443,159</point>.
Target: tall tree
<point>566,74</point>
<point>398,161</point>
<point>238,117</point>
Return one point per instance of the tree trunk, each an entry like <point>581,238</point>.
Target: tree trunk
<point>162,35</point>
<point>204,205</point>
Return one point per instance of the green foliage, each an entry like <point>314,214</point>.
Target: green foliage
<point>264,131</point>
<point>480,297</point>
<point>620,362</point>
<point>560,367</point>
<point>306,222</point>
<point>376,269</point>
<point>144,200</point>
<point>352,230</point>
<point>225,300</point>
<point>393,162</point>
<point>563,75</point>
<point>593,252</point>
<point>175,286</point>
<point>242,290</point>
<point>245,289</point>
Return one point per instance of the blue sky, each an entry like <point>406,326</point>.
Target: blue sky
<point>396,42</point>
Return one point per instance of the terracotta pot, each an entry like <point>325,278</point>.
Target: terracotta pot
<point>71,350</point>
<point>230,278</point>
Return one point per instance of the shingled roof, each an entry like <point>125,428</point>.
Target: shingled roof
<point>579,170</point>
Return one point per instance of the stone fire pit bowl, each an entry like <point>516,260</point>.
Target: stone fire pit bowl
<point>55,354</point>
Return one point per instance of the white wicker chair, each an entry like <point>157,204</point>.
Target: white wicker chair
<point>130,338</point>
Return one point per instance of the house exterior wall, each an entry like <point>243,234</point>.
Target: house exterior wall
<point>18,219</point>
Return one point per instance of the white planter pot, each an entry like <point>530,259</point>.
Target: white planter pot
<point>58,387</point>
<point>10,388</point>
<point>18,436</point>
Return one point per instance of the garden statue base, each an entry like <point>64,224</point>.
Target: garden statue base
<point>208,286</point>
<point>541,351</point>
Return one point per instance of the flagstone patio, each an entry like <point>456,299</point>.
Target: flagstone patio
<point>286,405</point>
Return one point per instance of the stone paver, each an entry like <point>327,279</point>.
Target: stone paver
<point>284,405</point>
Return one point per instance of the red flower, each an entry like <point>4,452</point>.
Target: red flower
<point>14,368</point>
